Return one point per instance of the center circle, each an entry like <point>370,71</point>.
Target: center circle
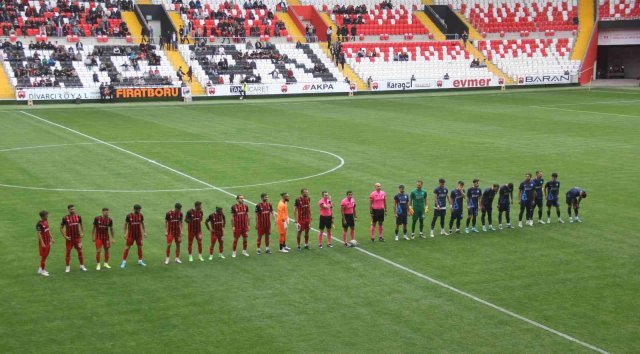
<point>334,168</point>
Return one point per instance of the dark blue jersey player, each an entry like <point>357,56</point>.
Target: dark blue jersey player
<point>440,195</point>
<point>486,205</point>
<point>552,192</point>
<point>401,207</point>
<point>456,199</point>
<point>538,183</point>
<point>473,203</point>
<point>505,199</point>
<point>574,197</point>
<point>526,198</point>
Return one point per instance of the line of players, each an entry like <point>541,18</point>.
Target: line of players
<point>531,194</point>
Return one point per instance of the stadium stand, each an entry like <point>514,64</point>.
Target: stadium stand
<point>424,60</point>
<point>521,57</point>
<point>47,65</point>
<point>503,16</point>
<point>276,63</point>
<point>62,18</point>
<point>221,18</point>
<point>371,18</point>
<point>619,9</point>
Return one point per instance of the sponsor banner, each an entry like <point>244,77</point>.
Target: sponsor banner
<point>278,89</point>
<point>149,92</point>
<point>56,94</point>
<point>432,84</point>
<point>544,80</point>
<point>618,36</point>
<point>186,91</point>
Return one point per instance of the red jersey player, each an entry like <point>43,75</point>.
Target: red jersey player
<point>102,229</point>
<point>193,218</point>
<point>218,222</point>
<point>302,214</point>
<point>240,224</point>
<point>72,230</point>
<point>44,241</point>
<point>264,211</point>
<point>173,231</point>
<point>134,231</point>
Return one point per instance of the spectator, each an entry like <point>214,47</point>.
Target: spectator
<point>190,74</point>
<point>465,37</point>
<point>95,77</point>
<point>353,32</point>
<point>446,76</point>
<point>180,73</point>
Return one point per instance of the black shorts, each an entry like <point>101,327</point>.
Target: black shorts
<point>553,203</point>
<point>325,222</point>
<point>377,215</point>
<point>504,207</point>
<point>439,212</point>
<point>472,211</point>
<point>456,213</point>
<point>401,219</point>
<point>349,221</point>
<point>487,208</point>
<point>538,201</point>
<point>572,200</point>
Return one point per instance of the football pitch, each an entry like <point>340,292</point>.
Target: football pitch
<point>570,288</point>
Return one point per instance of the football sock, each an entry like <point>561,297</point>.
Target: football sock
<point>139,253</point>
<point>379,230</point>
<point>353,234</point>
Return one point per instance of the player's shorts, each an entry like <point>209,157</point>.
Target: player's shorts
<point>401,219</point>
<point>263,231</point>
<point>216,236</point>
<point>439,212</point>
<point>572,200</point>
<point>44,251</point>
<point>237,232</point>
<point>418,213</point>
<point>472,211</point>
<point>377,215</point>
<point>106,243</point>
<point>281,229</point>
<point>456,213</point>
<point>73,243</point>
<point>349,221</point>
<point>305,225</point>
<point>487,208</point>
<point>171,238</point>
<point>325,222</point>
<point>553,203</point>
<point>131,240</point>
<point>504,206</point>
<point>538,201</point>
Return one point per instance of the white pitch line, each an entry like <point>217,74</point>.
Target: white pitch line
<point>385,260</point>
<point>590,112</point>
<point>589,103</point>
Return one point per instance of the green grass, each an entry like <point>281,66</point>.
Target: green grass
<point>579,279</point>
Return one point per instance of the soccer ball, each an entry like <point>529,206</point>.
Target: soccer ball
<point>353,243</point>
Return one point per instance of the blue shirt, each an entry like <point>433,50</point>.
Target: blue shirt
<point>505,194</point>
<point>553,189</point>
<point>487,196</point>
<point>402,201</point>
<point>441,196</point>
<point>473,196</point>
<point>458,199</point>
<point>527,190</point>
<point>538,184</point>
<point>574,192</point>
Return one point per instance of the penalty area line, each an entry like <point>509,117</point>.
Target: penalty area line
<point>368,253</point>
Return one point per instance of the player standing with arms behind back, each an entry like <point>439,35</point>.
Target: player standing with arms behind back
<point>401,209</point>
<point>526,199</point>
<point>102,229</point>
<point>264,211</point>
<point>456,200</point>
<point>473,203</point>
<point>440,196</point>
<point>134,231</point>
<point>72,230</point>
<point>44,241</point>
<point>378,209</point>
<point>418,203</point>
<point>326,218</point>
<point>218,222</point>
<point>193,218</point>
<point>282,220</point>
<point>538,183</point>
<point>240,225</point>
<point>302,214</point>
<point>349,217</point>
<point>552,194</point>
<point>173,231</point>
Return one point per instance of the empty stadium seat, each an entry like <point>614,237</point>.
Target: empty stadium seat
<point>619,9</point>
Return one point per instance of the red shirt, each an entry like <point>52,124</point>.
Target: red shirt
<point>194,221</point>
<point>43,230</point>
<point>102,226</point>
<point>135,225</point>
<point>174,220</point>
<point>72,225</point>
<point>263,215</point>
<point>303,206</point>
<point>240,216</point>
<point>217,224</point>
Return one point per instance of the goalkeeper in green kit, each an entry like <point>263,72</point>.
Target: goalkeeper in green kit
<point>418,208</point>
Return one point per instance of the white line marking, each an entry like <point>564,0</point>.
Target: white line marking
<point>622,90</point>
<point>590,112</point>
<point>589,103</point>
<point>385,260</point>
<point>175,142</point>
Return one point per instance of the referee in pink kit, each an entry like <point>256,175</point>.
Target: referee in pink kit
<point>378,209</point>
